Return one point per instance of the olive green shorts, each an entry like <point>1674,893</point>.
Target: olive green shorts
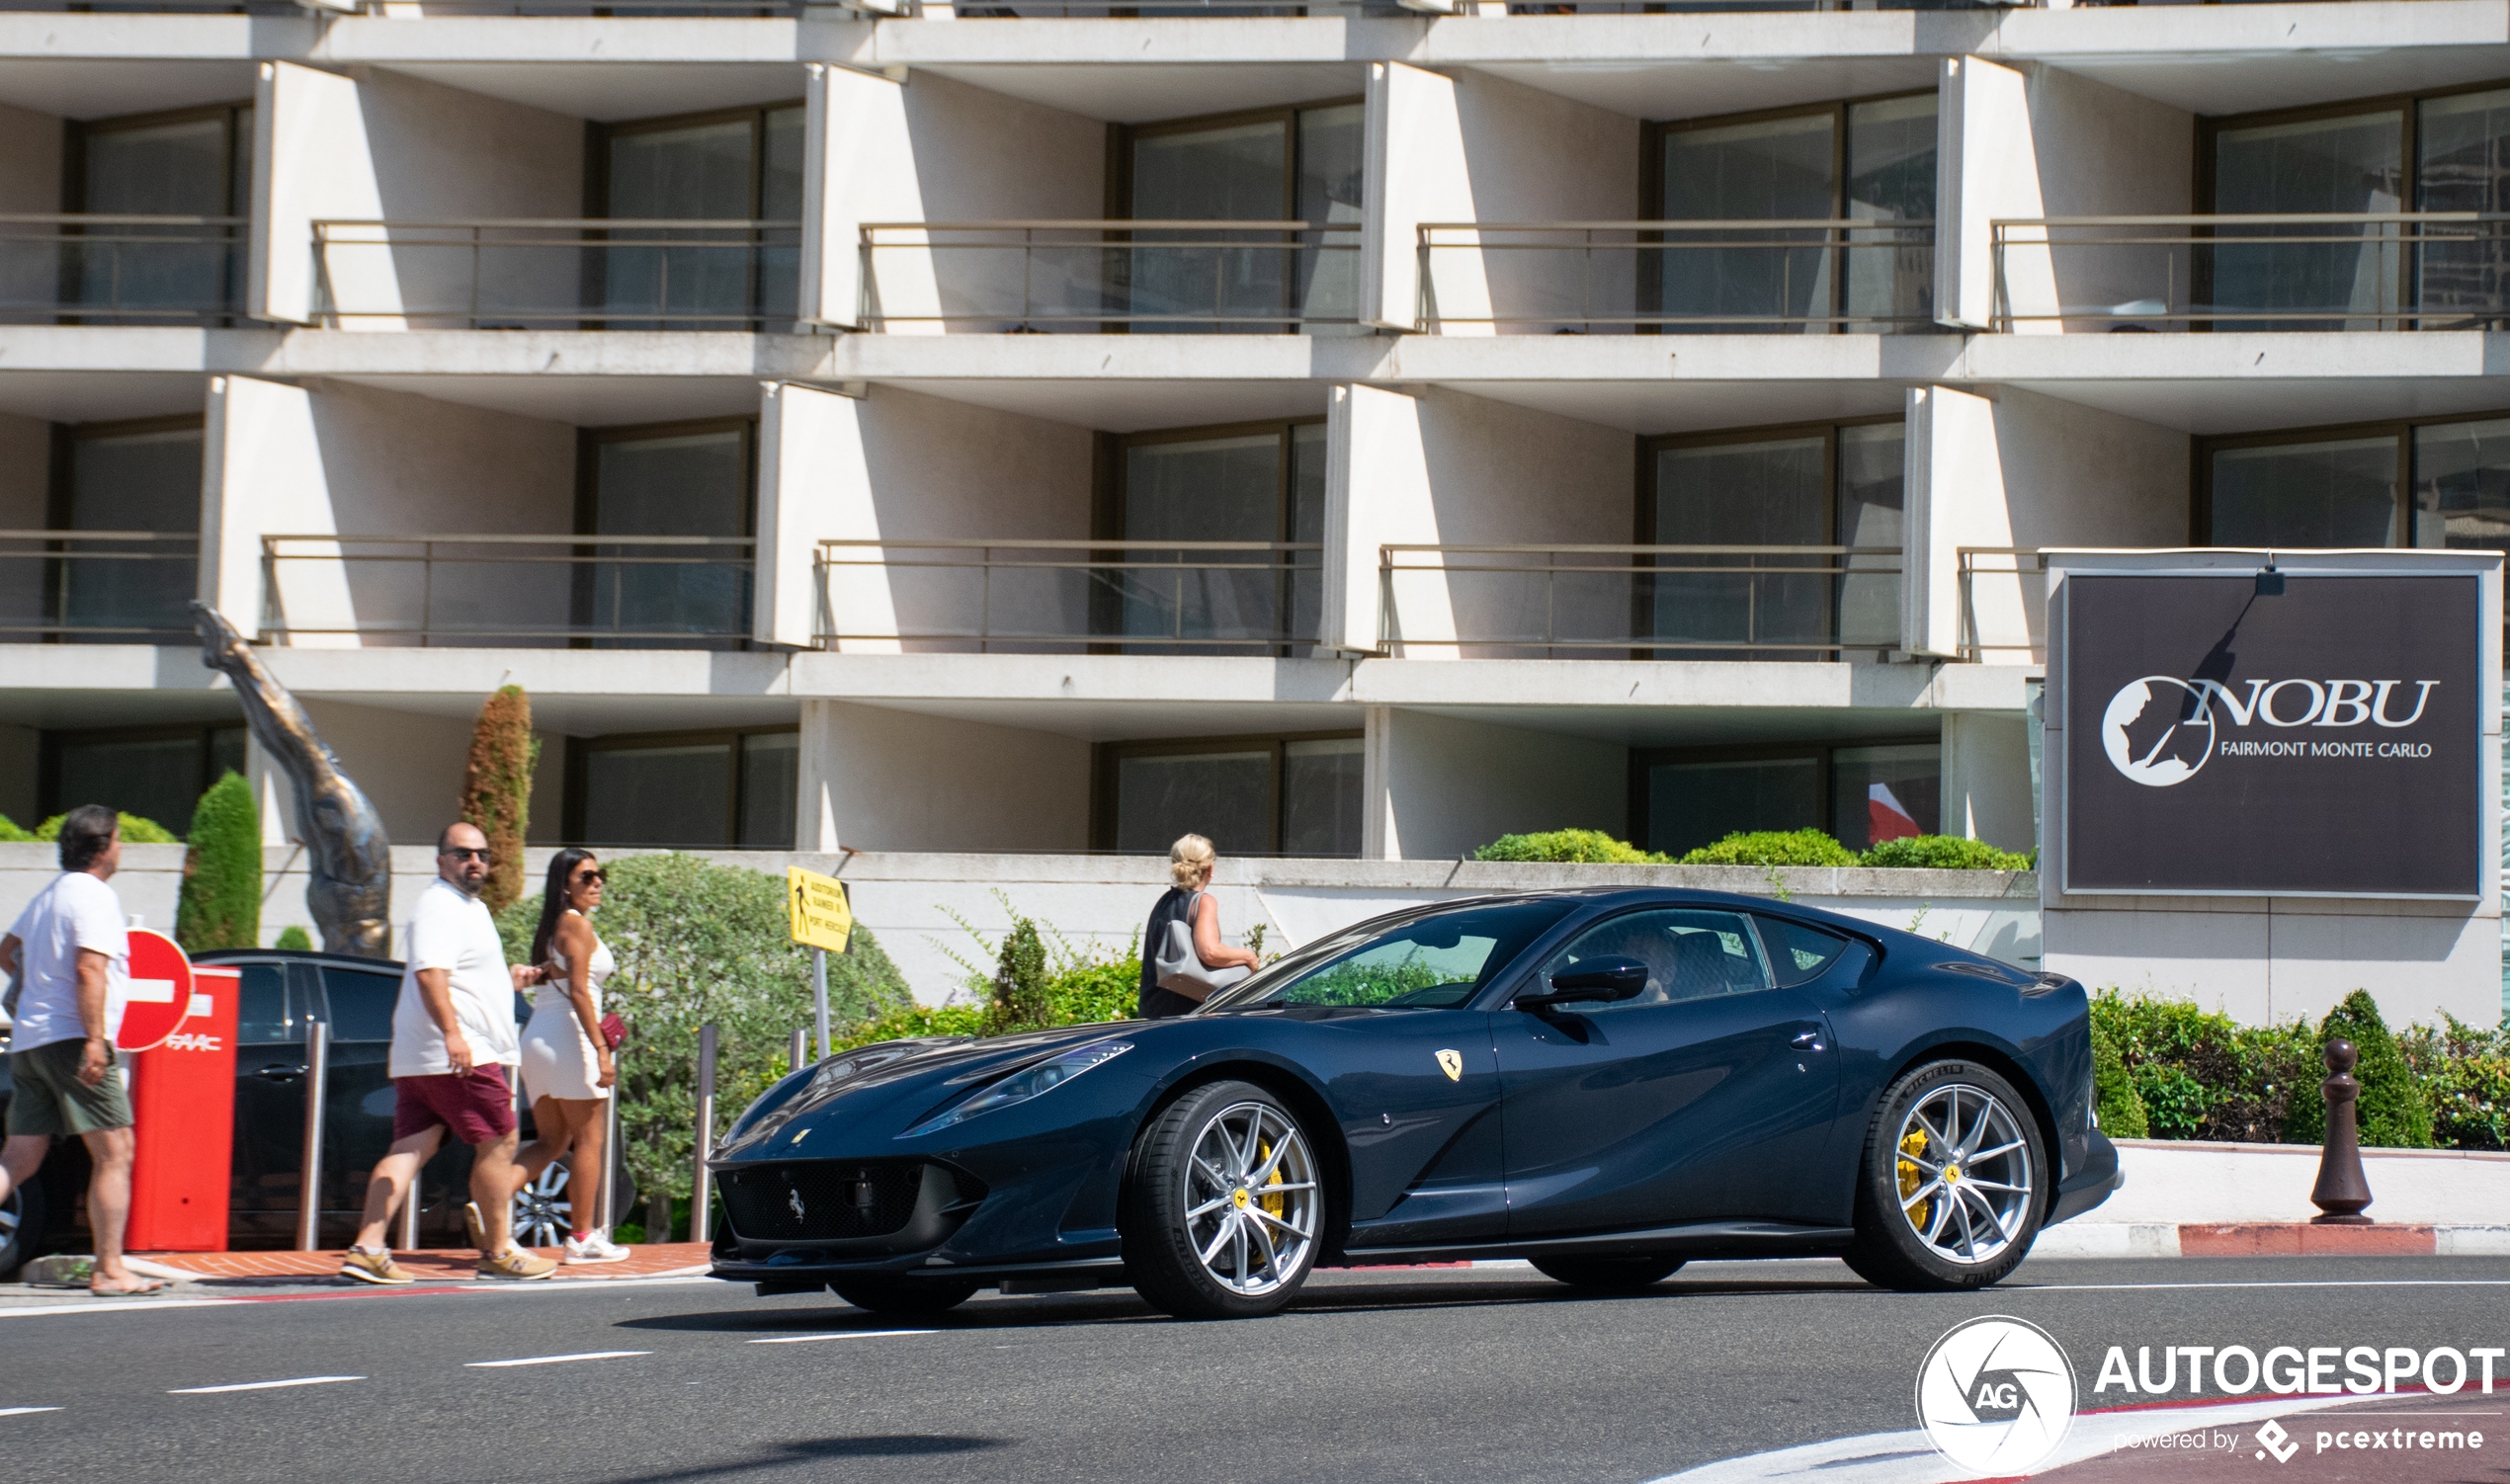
<point>50,1101</point>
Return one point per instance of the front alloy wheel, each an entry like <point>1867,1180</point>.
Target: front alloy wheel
<point>1225,1206</point>
<point>1949,1198</point>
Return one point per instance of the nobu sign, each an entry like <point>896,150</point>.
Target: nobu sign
<point>2324,740</point>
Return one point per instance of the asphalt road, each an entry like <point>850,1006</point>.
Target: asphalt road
<point>1482,1374</point>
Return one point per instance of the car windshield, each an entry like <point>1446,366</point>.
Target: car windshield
<point>1431,961</point>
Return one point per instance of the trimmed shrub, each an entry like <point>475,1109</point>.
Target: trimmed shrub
<point>496,789</point>
<point>221,904</point>
<point>1568,845</point>
<point>2199,1075</point>
<point>135,831</point>
<point>1773,848</point>
<point>12,834</point>
<point>697,942</point>
<point>293,937</point>
<point>2390,1112</point>
<point>2114,1097</point>
<point>1944,853</point>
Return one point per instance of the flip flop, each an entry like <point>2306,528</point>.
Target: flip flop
<point>147,1285</point>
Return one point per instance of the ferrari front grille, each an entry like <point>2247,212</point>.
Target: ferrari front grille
<point>821,1200</point>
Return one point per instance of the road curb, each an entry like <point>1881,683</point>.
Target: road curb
<point>2267,1239</point>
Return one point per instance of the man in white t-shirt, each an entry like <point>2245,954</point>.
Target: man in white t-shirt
<point>67,951</point>
<point>453,1040</point>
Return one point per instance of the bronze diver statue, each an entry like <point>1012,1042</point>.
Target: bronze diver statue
<point>350,890</point>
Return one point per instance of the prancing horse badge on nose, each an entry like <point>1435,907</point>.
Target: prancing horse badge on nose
<point>1453,1064</point>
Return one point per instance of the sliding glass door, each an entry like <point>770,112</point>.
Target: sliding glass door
<point>685,480</point>
<point>743,166</point>
<point>1259,486</point>
<point>135,477</point>
<point>192,162</point>
<point>1275,165</point>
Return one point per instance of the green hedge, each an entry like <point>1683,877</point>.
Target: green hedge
<point>1773,848</point>
<point>1944,853</point>
<point>221,902</point>
<point>135,831</point>
<point>2185,1074</point>
<point>1569,845</point>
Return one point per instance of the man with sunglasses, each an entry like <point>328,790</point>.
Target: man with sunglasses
<point>454,1042</point>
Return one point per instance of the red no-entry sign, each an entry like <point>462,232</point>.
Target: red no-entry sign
<point>159,998</point>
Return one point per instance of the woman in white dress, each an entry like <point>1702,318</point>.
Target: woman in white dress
<point>567,1068</point>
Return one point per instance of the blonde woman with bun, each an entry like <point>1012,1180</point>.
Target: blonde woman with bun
<point>1189,863</point>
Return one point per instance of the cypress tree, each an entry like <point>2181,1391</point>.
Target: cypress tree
<point>2390,1111</point>
<point>220,905</point>
<point>496,789</point>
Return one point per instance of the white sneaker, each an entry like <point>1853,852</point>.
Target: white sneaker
<point>595,1248</point>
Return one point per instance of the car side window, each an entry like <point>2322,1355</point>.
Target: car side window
<point>263,1016</point>
<point>1798,954</point>
<point>361,1003</point>
<point>1689,955</point>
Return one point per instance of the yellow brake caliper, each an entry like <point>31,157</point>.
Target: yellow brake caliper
<point>1911,1178</point>
<point>1275,1205</point>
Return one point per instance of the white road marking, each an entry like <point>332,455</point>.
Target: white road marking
<point>118,1306</point>
<point>590,1354</point>
<point>23,1411</point>
<point>302,1380</point>
<point>2295,1283</point>
<point>845,1334</point>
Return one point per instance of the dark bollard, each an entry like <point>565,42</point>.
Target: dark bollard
<point>2341,1192</point>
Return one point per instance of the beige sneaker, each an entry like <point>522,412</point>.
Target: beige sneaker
<point>373,1268</point>
<point>515,1266</point>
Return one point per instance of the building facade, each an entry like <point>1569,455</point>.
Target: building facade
<point>1342,428</point>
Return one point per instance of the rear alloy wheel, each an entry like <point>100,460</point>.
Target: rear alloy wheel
<point>1949,1196</point>
<point>1225,1207</point>
<point>894,1295</point>
<point>20,1225</point>
<point>544,1214</point>
<point>1609,1275</point>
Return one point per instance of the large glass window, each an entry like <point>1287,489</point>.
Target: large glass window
<point>1433,960</point>
<point>742,166</point>
<point>1860,794</point>
<point>2424,153</point>
<point>1262,484</point>
<point>692,789</point>
<point>1251,797</point>
<point>2433,484</point>
<point>1300,164</point>
<point>684,480</point>
<point>1832,485</point>
<point>137,477</point>
<point>1869,162</point>
<point>193,162</point>
<point>156,773</point>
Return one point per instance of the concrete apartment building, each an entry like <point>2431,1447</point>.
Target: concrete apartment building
<point>1349,431</point>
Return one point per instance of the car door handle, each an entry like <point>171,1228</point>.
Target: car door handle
<point>1810,1041</point>
<point>284,1074</point>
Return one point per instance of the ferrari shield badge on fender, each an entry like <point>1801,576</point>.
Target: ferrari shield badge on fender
<point>1453,1064</point>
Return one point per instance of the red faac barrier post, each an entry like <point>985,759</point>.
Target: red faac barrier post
<point>180,1024</point>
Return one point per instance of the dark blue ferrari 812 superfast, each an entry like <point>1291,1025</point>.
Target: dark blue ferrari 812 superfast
<point>1606,1082</point>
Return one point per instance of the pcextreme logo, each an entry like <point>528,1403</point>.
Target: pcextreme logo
<point>2160,731</point>
<point>1996,1395</point>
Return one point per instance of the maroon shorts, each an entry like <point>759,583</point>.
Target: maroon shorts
<point>479,1108</point>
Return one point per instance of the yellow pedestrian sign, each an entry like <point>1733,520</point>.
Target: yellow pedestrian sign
<point>822,915</point>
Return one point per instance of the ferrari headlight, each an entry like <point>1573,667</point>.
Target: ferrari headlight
<point>1027,1083</point>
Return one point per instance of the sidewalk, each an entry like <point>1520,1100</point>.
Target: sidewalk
<point>455,1265</point>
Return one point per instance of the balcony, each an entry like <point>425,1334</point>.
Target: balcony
<point>57,268</point>
<point>1105,276</point>
<point>1069,596</point>
<point>2321,270</point>
<point>127,587</point>
<point>557,274</point>
<point>2004,604</point>
<point>1785,276</point>
<point>679,592</point>
<point>1639,602</point>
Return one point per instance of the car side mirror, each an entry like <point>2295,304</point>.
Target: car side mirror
<point>1613,979</point>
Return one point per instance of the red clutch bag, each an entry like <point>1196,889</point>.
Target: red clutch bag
<point>613,1030</point>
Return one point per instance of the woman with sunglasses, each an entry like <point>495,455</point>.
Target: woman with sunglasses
<point>566,1059</point>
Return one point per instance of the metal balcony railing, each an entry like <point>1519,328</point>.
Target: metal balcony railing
<point>1773,275</point>
<point>1641,602</point>
<point>644,591</point>
<point>2320,271</point>
<point>1105,276</point>
<point>87,268</point>
<point>2004,600</point>
<point>127,586</point>
<point>1044,595</point>
<point>559,272</point>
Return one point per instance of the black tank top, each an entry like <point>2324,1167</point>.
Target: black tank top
<point>1158,1004</point>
